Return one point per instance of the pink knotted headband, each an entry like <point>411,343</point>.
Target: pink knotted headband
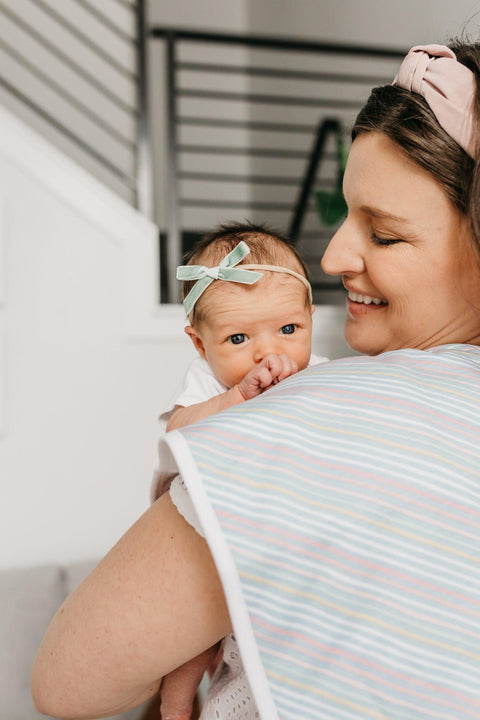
<point>449,88</point>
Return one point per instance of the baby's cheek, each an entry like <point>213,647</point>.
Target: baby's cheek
<point>304,359</point>
<point>232,373</point>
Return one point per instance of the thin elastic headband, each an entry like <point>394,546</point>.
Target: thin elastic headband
<point>447,85</point>
<point>285,271</point>
<point>226,270</point>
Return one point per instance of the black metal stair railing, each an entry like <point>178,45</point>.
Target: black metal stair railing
<point>325,128</point>
<point>252,130</point>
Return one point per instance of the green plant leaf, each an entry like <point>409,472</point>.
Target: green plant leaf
<point>331,206</point>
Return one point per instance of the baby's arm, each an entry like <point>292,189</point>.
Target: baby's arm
<point>270,371</point>
<point>188,415</point>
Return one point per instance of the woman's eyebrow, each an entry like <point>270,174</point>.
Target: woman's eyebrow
<point>382,215</point>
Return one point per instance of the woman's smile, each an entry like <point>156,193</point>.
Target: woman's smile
<point>358,304</point>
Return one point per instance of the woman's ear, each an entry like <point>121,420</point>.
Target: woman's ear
<point>312,309</point>
<point>197,340</point>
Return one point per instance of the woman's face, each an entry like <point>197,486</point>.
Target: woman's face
<point>405,255</point>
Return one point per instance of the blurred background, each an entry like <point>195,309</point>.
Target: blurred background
<point>128,128</point>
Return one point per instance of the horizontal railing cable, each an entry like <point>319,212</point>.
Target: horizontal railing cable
<point>246,124</point>
<point>199,202</point>
<point>276,43</point>
<point>230,177</point>
<point>284,74</point>
<point>247,151</point>
<point>267,99</point>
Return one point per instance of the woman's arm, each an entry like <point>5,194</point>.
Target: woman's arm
<point>151,604</point>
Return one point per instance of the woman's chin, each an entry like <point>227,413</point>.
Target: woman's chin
<point>361,341</point>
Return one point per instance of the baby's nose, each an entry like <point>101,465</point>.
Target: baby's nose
<point>265,347</point>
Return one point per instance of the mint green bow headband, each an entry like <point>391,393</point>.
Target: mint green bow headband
<point>226,270</point>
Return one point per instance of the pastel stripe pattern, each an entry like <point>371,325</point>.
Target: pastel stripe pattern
<point>346,504</point>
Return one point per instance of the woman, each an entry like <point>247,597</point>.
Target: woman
<point>342,508</point>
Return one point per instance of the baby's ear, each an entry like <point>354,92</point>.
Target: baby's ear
<point>196,339</point>
<point>312,309</point>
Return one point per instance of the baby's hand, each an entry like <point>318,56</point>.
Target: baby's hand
<point>270,371</point>
<point>179,687</point>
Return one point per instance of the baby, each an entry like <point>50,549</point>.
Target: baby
<point>249,309</point>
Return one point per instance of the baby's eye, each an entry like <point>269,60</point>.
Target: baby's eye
<point>237,339</point>
<point>288,329</point>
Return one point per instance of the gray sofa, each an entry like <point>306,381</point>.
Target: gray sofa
<point>28,600</point>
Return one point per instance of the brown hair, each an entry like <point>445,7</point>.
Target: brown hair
<point>406,118</point>
<point>267,247</point>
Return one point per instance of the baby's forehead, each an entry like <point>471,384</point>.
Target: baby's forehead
<point>272,286</point>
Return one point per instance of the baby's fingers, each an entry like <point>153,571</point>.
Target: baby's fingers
<point>275,366</point>
<point>179,687</point>
<point>284,367</point>
<point>265,376</point>
<point>290,367</point>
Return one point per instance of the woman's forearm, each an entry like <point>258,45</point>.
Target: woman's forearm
<point>151,604</point>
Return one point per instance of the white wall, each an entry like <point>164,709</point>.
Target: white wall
<point>221,15</point>
<point>84,365</point>
<point>378,22</point>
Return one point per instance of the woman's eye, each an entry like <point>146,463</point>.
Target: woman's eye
<point>237,339</point>
<point>383,242</point>
<point>288,329</point>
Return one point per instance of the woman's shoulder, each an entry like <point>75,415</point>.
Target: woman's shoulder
<point>397,371</point>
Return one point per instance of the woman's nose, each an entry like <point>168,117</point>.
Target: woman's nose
<point>344,253</point>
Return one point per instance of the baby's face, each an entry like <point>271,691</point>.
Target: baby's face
<point>243,324</point>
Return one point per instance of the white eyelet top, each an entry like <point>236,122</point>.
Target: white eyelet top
<point>229,694</point>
